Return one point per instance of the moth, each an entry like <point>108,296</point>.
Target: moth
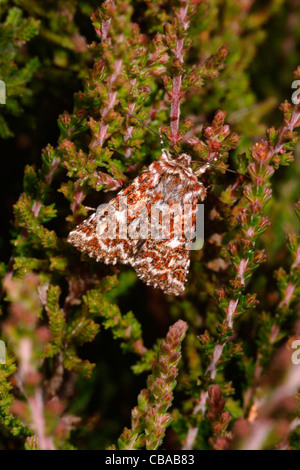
<point>161,262</point>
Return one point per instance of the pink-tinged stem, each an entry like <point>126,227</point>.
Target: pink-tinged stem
<point>53,168</point>
<point>128,128</point>
<point>35,402</point>
<point>112,96</point>
<point>216,356</point>
<point>289,126</point>
<point>193,432</point>
<point>176,93</point>
<point>267,406</point>
<point>212,371</point>
<point>36,406</point>
<point>258,437</point>
<point>297,260</point>
<point>175,109</point>
<point>104,29</point>
<point>231,311</point>
<point>78,197</point>
<point>37,205</point>
<point>289,292</point>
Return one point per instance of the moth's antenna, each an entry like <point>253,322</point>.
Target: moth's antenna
<point>146,125</point>
<point>219,168</point>
<point>162,142</point>
<point>228,169</point>
<point>159,134</point>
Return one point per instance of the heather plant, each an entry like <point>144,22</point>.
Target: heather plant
<point>14,32</point>
<point>95,358</point>
<point>41,47</point>
<point>53,23</point>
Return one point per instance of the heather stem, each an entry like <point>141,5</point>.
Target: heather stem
<point>176,93</point>
<point>289,126</point>
<point>112,97</point>
<point>35,402</point>
<point>36,406</point>
<point>262,154</point>
<point>175,109</point>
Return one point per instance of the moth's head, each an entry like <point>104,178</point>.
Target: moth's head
<point>184,159</point>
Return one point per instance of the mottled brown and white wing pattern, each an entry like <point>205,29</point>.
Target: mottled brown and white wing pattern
<point>111,250</point>
<point>161,261</point>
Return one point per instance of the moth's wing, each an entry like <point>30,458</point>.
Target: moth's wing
<point>160,265</point>
<point>165,263</point>
<point>113,249</point>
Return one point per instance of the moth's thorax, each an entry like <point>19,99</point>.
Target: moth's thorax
<point>175,179</point>
<point>181,165</point>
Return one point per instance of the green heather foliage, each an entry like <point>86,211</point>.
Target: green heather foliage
<point>44,37</point>
<point>15,31</point>
<point>95,358</point>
